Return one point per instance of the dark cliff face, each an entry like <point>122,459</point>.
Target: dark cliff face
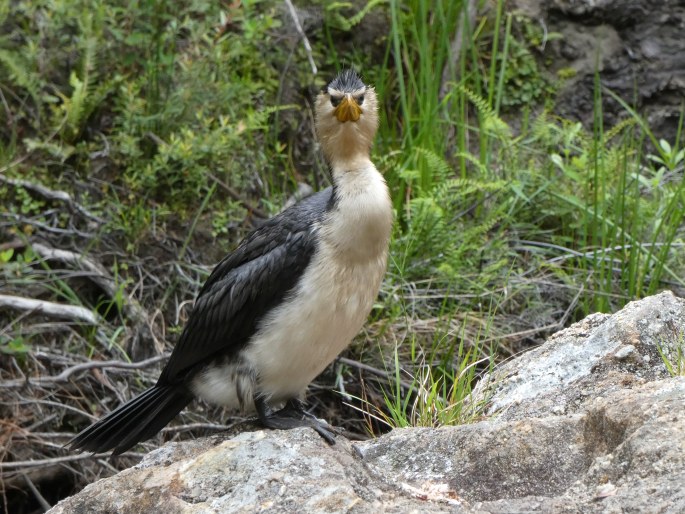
<point>636,45</point>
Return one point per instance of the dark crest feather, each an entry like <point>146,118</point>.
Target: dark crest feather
<point>347,81</point>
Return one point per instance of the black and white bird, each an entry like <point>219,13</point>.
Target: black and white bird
<point>279,309</point>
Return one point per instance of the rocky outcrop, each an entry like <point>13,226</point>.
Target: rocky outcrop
<point>636,46</point>
<point>591,421</point>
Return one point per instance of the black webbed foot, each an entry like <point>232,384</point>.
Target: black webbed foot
<point>293,415</point>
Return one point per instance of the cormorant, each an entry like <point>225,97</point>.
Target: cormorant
<point>277,310</point>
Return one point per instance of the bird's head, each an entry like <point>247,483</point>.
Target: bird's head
<point>346,117</point>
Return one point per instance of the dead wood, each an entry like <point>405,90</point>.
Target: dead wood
<point>56,310</point>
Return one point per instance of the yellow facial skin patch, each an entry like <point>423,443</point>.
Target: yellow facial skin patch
<point>347,110</point>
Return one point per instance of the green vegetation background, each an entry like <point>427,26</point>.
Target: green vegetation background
<point>177,125</point>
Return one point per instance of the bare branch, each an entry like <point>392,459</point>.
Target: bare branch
<point>56,310</point>
<point>236,196</point>
<point>19,464</point>
<point>50,194</point>
<point>300,31</point>
<point>64,375</point>
<point>36,493</point>
<point>18,219</point>
<point>203,426</point>
<point>99,274</point>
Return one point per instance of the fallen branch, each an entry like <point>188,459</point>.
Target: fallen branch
<point>22,220</point>
<point>300,31</point>
<point>59,460</point>
<point>50,194</point>
<point>203,426</point>
<point>64,375</point>
<point>36,493</point>
<point>101,277</point>
<point>55,310</point>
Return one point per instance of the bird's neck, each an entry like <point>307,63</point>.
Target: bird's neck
<point>346,166</point>
<point>359,228</point>
<point>347,148</point>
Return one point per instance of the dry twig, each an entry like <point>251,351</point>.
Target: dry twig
<point>56,310</point>
<point>300,31</point>
<point>20,464</point>
<point>36,493</point>
<point>51,194</point>
<point>236,196</point>
<point>375,371</point>
<point>64,375</point>
<point>100,276</point>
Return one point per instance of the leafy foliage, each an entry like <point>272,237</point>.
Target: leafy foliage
<point>435,236</point>
<point>486,212</point>
<point>167,96</point>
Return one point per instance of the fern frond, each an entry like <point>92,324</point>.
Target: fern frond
<point>482,169</point>
<point>357,18</point>
<point>74,107</point>
<point>18,73</point>
<point>259,120</point>
<point>454,190</point>
<point>86,94</point>
<point>492,123</point>
<point>437,165</point>
<point>346,24</point>
<point>618,128</point>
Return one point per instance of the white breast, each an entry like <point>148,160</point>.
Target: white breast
<point>335,295</point>
<point>327,309</point>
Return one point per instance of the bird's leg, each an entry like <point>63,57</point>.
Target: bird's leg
<point>292,415</point>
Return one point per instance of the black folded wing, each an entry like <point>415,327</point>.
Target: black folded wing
<point>246,285</point>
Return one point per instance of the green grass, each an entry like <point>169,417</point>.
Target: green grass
<point>433,385</point>
<point>672,354</point>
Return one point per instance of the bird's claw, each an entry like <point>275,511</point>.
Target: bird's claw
<point>293,415</point>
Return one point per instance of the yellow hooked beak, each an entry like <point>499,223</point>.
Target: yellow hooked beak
<point>347,110</point>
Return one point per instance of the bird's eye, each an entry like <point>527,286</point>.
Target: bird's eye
<point>335,100</point>
<point>360,99</point>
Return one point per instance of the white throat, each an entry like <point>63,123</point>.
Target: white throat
<point>359,226</point>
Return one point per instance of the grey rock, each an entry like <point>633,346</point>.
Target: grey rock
<point>623,453</point>
<point>258,471</point>
<point>590,422</point>
<point>595,356</point>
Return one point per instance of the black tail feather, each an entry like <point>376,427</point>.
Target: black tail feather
<point>135,421</point>
<point>102,435</point>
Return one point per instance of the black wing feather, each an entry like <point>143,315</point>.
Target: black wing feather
<point>246,285</point>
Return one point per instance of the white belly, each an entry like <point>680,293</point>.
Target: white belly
<point>298,340</point>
